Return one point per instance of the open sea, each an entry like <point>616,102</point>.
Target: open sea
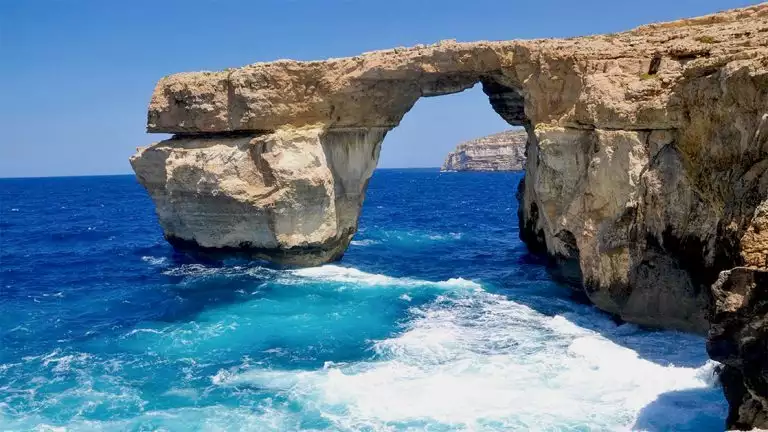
<point>436,319</point>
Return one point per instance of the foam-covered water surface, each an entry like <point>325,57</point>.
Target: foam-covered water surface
<point>436,319</point>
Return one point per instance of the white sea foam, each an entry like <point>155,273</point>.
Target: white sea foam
<point>208,418</point>
<point>414,237</point>
<point>482,362</point>
<point>202,270</point>
<point>468,360</point>
<point>143,330</point>
<point>192,270</point>
<point>335,273</point>
<point>449,236</point>
<point>154,261</point>
<point>366,242</point>
<point>187,393</point>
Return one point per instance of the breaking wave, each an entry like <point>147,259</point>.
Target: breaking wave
<point>366,242</point>
<point>334,273</point>
<point>482,362</point>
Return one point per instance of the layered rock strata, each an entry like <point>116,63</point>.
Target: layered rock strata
<point>646,176</point>
<point>503,151</point>
<point>292,196</point>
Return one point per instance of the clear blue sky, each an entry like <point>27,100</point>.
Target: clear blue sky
<point>76,75</point>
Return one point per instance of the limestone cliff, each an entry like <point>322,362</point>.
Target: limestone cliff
<point>737,338</point>
<point>646,175</point>
<point>503,151</point>
<point>291,196</point>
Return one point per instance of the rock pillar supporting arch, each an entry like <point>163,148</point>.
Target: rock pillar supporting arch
<point>291,196</point>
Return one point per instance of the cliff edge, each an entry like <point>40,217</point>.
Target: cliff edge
<point>503,151</point>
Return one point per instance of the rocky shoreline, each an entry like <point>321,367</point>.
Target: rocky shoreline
<point>646,174</point>
<point>503,151</point>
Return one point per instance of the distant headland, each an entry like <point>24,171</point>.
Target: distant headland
<point>503,151</point>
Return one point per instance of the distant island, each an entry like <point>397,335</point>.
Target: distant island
<point>503,151</point>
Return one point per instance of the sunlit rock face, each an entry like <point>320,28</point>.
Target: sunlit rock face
<point>292,196</point>
<point>646,153</point>
<point>504,151</point>
<point>653,215</point>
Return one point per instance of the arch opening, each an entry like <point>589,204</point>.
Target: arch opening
<point>435,125</point>
<point>441,207</point>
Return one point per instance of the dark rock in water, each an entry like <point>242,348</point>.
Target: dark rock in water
<point>738,338</point>
<point>504,151</point>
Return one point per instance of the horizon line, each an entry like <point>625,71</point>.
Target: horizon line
<point>132,174</point>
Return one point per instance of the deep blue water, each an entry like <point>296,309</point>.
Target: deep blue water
<point>436,319</point>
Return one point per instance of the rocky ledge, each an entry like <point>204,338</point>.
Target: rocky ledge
<point>646,176</point>
<point>503,151</point>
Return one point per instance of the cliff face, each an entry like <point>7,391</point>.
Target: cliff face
<point>504,151</point>
<point>646,176</point>
<point>738,339</point>
<point>645,218</point>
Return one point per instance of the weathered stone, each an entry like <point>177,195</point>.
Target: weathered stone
<point>596,81</point>
<point>292,196</point>
<point>504,151</point>
<point>738,338</point>
<point>652,216</point>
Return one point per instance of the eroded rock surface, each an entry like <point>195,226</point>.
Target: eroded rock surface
<point>738,339</point>
<point>503,151</point>
<point>644,213</point>
<point>292,196</point>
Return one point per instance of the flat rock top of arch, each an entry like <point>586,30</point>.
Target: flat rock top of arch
<point>594,81</point>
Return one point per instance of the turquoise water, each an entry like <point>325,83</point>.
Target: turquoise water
<point>436,319</point>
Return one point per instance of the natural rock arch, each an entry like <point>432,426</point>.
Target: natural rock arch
<point>646,176</point>
<point>292,196</point>
<point>284,124</point>
<point>646,152</point>
<point>647,169</point>
<point>293,191</point>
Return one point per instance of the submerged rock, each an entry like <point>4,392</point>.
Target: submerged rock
<point>646,172</point>
<point>504,151</point>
